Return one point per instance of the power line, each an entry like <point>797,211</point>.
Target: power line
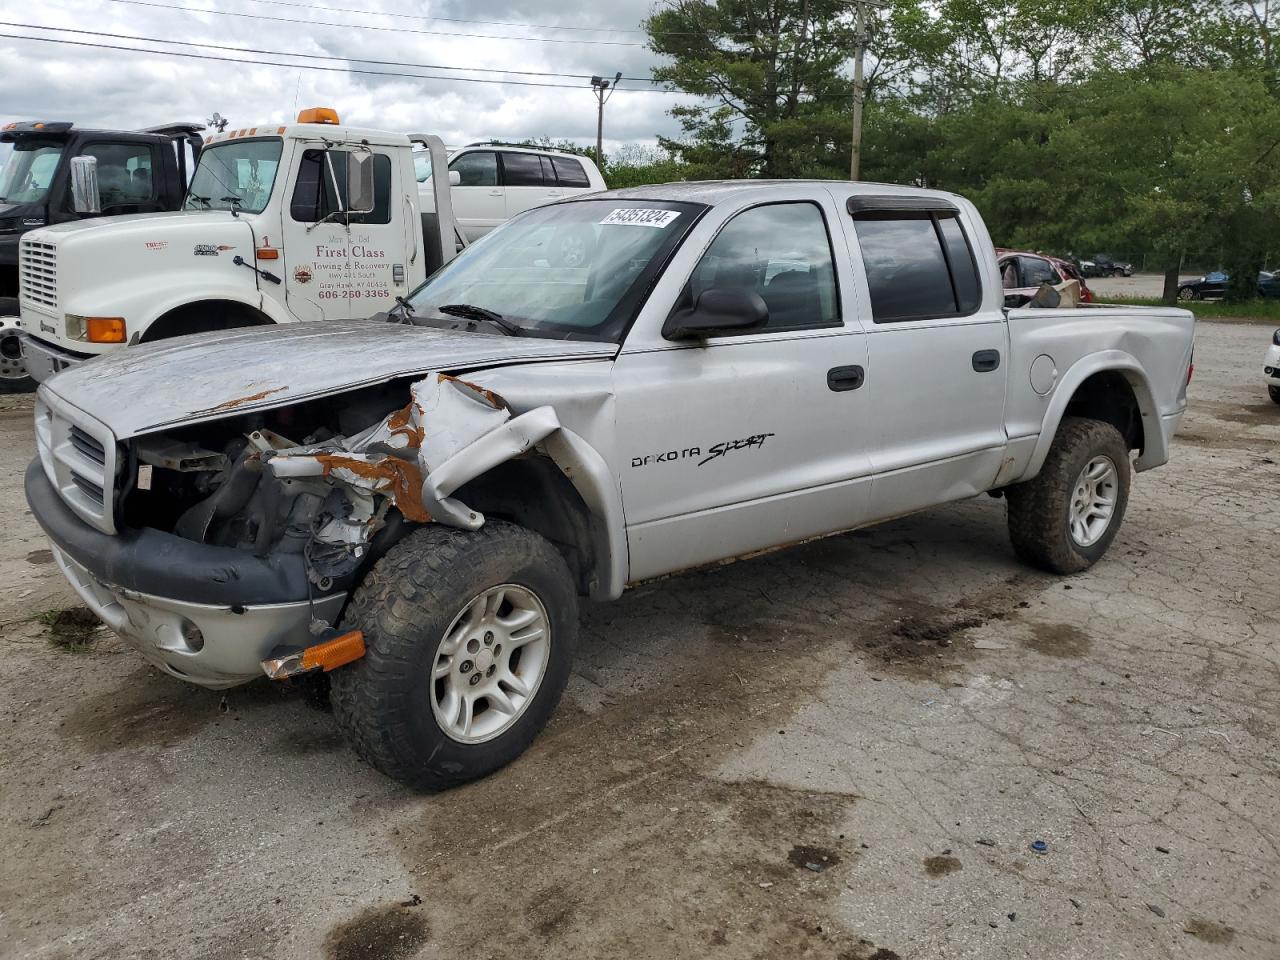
<point>370,26</point>
<point>418,16</point>
<point>304,66</point>
<point>306,56</point>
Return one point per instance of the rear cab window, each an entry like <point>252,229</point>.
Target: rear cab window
<point>919,263</point>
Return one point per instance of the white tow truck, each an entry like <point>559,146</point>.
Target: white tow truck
<point>306,221</point>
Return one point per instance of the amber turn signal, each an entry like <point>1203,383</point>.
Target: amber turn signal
<point>104,329</point>
<point>267,253</point>
<point>334,653</point>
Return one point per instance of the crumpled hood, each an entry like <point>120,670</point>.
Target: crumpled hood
<point>152,387</point>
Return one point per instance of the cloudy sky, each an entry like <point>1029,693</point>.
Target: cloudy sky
<point>118,88</point>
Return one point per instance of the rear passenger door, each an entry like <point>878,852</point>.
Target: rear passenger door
<point>527,187</point>
<point>937,349</point>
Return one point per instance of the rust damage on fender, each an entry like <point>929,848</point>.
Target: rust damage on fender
<point>401,480</point>
<point>394,457</point>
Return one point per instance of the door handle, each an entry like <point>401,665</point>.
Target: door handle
<point>984,361</point>
<point>495,193</point>
<point>845,378</point>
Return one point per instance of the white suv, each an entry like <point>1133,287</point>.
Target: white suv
<point>492,182</point>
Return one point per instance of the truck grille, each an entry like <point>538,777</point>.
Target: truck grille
<point>79,458</point>
<point>38,273</point>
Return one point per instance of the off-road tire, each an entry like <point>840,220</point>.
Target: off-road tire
<point>1274,393</point>
<point>9,308</point>
<point>1039,509</point>
<point>382,702</point>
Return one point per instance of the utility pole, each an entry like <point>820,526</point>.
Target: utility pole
<point>860,49</point>
<point>603,90</point>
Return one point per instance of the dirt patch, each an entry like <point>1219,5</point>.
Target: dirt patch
<point>152,709</point>
<point>1209,931</point>
<point>1256,414</point>
<point>38,557</point>
<point>73,629</point>
<point>1059,640</point>
<point>921,640</point>
<point>307,743</point>
<point>814,859</point>
<point>379,933</point>
<point>940,866</point>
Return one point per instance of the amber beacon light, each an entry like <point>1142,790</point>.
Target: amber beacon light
<point>318,115</point>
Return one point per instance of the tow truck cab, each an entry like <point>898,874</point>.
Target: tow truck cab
<point>140,171</point>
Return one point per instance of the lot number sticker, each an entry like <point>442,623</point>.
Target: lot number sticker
<point>638,217</point>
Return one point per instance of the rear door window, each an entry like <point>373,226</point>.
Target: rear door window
<point>522,170</point>
<point>570,172</point>
<point>919,265</point>
<point>1037,270</point>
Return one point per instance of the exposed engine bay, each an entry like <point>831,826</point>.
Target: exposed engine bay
<point>332,479</point>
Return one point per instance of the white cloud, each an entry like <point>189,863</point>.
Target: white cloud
<point>108,88</point>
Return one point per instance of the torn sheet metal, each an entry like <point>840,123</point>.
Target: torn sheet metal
<point>397,456</point>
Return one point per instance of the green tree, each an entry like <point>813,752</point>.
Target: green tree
<point>774,100</point>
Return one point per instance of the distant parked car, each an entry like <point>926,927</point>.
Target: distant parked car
<point>1213,286</point>
<point>1271,367</point>
<point>1104,265</point>
<point>1021,273</point>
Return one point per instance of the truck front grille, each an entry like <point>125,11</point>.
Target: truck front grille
<point>79,457</point>
<point>38,274</point>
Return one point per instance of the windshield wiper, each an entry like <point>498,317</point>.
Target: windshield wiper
<point>199,199</point>
<point>470,311</point>
<point>405,307</point>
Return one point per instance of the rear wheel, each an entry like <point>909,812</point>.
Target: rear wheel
<point>13,365</point>
<point>470,638</point>
<point>1065,519</point>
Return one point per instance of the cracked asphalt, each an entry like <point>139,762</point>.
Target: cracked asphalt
<point>843,750</point>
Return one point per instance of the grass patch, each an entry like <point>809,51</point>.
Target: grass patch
<point>1258,311</point>
<point>73,629</point>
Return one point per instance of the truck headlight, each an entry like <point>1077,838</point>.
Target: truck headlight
<point>96,329</point>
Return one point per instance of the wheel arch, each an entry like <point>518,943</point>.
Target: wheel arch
<point>204,315</point>
<point>1113,387</point>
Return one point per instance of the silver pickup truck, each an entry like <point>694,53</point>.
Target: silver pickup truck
<point>416,502</point>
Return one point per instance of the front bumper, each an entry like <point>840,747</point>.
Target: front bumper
<point>1271,366</point>
<point>206,614</point>
<point>44,359</point>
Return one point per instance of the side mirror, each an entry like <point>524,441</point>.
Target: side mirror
<point>455,178</point>
<point>717,310</point>
<point>360,182</point>
<point>84,185</point>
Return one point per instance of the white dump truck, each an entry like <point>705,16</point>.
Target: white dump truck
<point>311,220</point>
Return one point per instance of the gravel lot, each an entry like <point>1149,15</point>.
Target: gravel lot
<point>843,750</point>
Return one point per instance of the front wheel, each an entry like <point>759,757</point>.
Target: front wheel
<point>1274,393</point>
<point>1187,293</point>
<point>13,365</point>
<point>1065,519</point>
<point>470,638</point>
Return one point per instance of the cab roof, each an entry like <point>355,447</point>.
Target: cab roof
<point>333,132</point>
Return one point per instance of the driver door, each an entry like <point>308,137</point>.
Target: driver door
<point>756,438</point>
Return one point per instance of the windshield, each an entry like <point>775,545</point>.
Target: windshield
<point>571,270</point>
<point>26,170</point>
<point>237,174</point>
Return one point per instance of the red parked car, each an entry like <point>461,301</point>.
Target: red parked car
<point>1022,273</point>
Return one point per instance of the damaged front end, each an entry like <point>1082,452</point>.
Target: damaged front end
<point>326,486</point>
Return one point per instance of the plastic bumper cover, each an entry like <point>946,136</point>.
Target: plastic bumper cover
<point>209,615</point>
